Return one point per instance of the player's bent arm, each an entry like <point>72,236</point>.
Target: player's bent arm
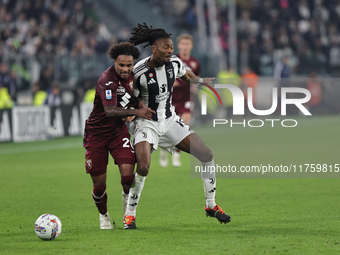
<point>137,102</point>
<point>190,76</point>
<point>118,112</point>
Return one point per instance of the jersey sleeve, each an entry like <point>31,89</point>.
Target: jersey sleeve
<point>187,67</point>
<point>107,90</point>
<point>181,67</point>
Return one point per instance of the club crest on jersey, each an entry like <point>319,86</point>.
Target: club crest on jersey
<point>170,73</point>
<point>150,75</point>
<point>120,91</point>
<point>108,94</point>
<point>89,163</point>
<point>193,64</point>
<point>131,85</point>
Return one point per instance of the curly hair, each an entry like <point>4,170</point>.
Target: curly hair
<point>146,34</point>
<point>124,48</point>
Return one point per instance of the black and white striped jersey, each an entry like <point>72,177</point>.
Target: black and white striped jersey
<point>154,85</point>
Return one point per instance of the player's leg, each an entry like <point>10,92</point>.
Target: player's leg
<point>123,154</point>
<point>194,145</point>
<point>184,113</point>
<point>127,178</point>
<point>96,162</point>
<point>143,156</point>
<point>185,116</point>
<point>163,158</point>
<point>99,192</point>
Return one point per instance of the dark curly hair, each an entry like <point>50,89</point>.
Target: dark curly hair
<point>124,48</point>
<point>145,34</point>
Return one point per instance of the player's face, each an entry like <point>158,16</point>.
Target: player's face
<point>124,65</point>
<point>185,46</point>
<point>162,50</point>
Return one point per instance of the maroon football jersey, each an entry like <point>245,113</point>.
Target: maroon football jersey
<point>110,90</point>
<point>181,93</point>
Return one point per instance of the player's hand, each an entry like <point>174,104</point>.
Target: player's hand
<point>176,83</point>
<point>145,113</point>
<point>208,80</point>
<point>128,118</point>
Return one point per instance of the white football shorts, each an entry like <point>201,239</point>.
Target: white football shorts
<point>166,133</point>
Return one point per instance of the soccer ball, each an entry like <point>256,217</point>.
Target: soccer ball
<point>48,227</point>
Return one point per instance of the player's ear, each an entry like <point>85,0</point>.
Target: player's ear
<point>153,48</point>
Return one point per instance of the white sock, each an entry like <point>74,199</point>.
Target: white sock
<point>134,195</point>
<point>209,184</point>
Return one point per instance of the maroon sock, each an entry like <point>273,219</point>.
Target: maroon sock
<point>126,182</point>
<point>100,198</point>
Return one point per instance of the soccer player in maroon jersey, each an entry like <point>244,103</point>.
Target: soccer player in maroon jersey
<point>182,92</point>
<point>106,131</point>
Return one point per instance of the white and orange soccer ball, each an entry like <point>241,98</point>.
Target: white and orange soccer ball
<point>48,227</point>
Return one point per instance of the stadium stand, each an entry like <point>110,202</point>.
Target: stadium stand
<point>66,41</point>
<point>305,30</point>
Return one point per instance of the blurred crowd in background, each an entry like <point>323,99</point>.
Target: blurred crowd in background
<point>305,30</point>
<point>48,46</point>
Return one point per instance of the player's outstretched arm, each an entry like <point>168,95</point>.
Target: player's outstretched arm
<point>191,77</point>
<point>118,112</point>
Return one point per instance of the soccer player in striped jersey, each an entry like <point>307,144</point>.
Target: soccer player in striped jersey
<point>154,77</point>
<point>182,93</point>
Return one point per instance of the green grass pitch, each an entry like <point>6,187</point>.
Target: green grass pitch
<point>269,215</point>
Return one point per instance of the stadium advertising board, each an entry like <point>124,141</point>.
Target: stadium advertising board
<point>32,123</point>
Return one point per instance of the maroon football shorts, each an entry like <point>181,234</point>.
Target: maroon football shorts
<point>96,158</point>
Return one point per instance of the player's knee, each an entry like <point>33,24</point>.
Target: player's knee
<point>143,169</point>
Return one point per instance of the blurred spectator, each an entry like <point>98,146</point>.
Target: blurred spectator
<point>46,77</point>
<point>90,91</point>
<point>229,76</point>
<point>8,80</point>
<point>334,55</point>
<point>4,75</point>
<point>53,96</point>
<point>39,95</point>
<point>282,70</point>
<point>5,98</point>
<point>249,80</point>
<point>315,88</point>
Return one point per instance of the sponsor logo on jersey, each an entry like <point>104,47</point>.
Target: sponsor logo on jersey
<point>152,81</point>
<point>108,83</point>
<point>162,97</point>
<point>125,100</point>
<point>120,91</point>
<point>108,94</point>
<point>163,88</point>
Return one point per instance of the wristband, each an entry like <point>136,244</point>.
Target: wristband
<point>200,80</point>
